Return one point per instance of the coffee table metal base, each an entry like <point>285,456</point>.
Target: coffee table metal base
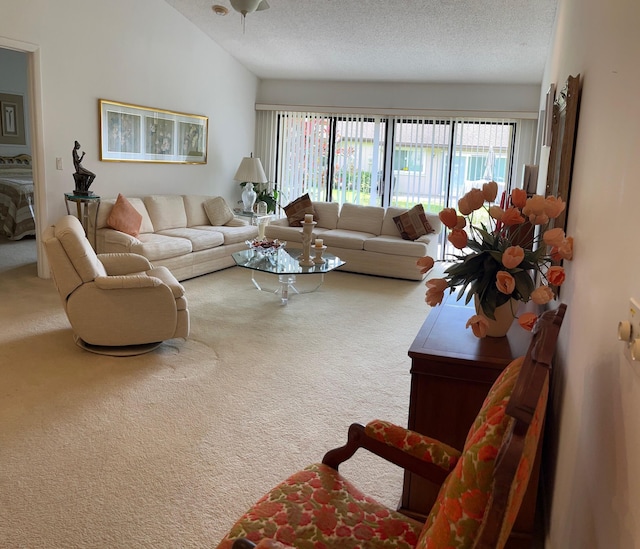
<point>287,284</point>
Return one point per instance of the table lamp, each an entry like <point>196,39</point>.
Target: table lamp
<point>249,172</point>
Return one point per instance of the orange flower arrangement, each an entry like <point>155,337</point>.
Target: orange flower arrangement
<point>492,264</point>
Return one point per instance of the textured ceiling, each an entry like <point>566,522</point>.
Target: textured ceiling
<point>446,41</point>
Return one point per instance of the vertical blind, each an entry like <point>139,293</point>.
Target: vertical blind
<point>387,160</point>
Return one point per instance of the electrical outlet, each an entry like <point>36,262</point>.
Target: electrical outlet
<point>58,163</point>
<point>629,331</point>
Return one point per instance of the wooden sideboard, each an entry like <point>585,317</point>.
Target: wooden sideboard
<point>451,374</point>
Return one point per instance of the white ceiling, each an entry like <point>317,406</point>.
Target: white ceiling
<point>442,41</point>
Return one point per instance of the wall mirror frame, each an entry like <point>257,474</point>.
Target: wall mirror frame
<point>563,136</point>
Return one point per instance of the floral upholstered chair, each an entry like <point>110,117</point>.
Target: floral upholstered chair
<point>482,486</point>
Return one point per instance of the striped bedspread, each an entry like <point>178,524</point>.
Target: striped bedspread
<point>17,218</point>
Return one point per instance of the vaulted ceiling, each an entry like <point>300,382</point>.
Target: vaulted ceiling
<point>441,41</point>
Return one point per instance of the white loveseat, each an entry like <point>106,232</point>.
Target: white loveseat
<point>366,237</point>
<point>176,233</point>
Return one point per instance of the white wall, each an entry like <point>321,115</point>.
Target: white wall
<point>594,431</point>
<point>13,79</point>
<point>402,97</point>
<point>143,53</point>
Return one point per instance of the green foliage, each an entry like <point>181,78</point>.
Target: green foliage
<point>477,271</point>
<point>271,199</point>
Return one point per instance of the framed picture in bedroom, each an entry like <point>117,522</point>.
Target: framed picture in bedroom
<point>132,133</point>
<point>12,119</point>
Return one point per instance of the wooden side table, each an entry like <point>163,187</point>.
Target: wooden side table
<point>451,374</point>
<point>84,206</point>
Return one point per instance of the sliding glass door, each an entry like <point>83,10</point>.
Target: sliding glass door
<point>387,161</point>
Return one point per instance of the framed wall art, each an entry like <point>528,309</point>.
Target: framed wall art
<point>131,133</point>
<point>548,120</point>
<point>563,137</point>
<point>12,119</point>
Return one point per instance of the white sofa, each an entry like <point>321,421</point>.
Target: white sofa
<point>176,233</point>
<point>366,237</point>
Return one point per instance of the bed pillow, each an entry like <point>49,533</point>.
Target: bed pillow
<point>218,211</point>
<point>124,217</point>
<point>296,210</point>
<point>413,223</point>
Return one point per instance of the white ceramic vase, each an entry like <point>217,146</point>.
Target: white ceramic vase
<point>248,197</point>
<point>505,315</point>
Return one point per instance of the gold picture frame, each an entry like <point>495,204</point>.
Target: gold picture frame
<point>563,138</point>
<point>132,133</point>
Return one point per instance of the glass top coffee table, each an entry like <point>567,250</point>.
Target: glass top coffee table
<point>279,272</point>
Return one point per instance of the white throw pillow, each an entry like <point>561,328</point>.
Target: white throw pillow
<point>218,211</point>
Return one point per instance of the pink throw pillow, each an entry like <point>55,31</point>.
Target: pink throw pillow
<point>124,217</point>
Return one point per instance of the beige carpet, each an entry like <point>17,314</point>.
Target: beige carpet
<point>167,449</point>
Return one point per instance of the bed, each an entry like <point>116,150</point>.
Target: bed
<point>17,218</point>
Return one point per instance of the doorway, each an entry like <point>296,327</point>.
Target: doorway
<point>33,100</point>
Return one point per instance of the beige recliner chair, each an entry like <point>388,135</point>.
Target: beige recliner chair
<point>116,303</point>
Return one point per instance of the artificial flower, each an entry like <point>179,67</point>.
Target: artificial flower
<point>505,282</point>
<point>518,198</point>
<point>490,191</point>
<point>554,206</point>
<point>512,216</point>
<point>527,320</point>
<point>449,218</point>
<point>564,251</point>
<point>464,206</point>
<point>502,258</point>
<point>425,263</point>
<point>476,199</point>
<point>556,275</point>
<point>553,237</point>
<point>542,295</point>
<point>435,291</point>
<point>512,257</point>
<point>534,205</point>
<point>459,238</point>
<point>496,212</point>
<point>479,325</point>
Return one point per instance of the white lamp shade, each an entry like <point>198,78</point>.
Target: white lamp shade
<point>251,171</point>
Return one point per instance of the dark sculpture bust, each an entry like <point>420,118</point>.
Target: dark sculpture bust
<point>82,177</point>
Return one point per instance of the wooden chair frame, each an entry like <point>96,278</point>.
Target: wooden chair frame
<point>521,407</point>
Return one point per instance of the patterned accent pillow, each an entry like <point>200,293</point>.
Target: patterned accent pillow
<point>296,210</point>
<point>218,211</point>
<point>124,217</point>
<point>413,224</point>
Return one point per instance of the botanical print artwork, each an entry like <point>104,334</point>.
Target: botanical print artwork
<point>131,133</point>
<point>191,139</point>
<point>159,135</point>
<point>123,132</point>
